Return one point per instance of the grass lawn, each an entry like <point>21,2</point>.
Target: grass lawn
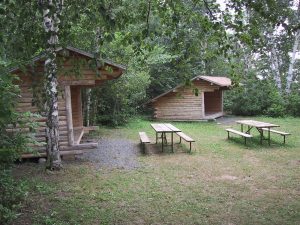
<point>220,182</point>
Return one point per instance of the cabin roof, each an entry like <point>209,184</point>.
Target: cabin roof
<point>76,50</point>
<point>220,81</point>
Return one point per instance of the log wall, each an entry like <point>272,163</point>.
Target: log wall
<point>182,103</point>
<point>75,71</point>
<point>26,104</point>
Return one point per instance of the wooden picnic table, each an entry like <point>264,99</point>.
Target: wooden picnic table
<point>259,126</point>
<point>163,129</point>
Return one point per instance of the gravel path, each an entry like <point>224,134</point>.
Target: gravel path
<point>228,119</point>
<point>114,154</point>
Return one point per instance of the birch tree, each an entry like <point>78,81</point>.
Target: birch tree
<point>290,74</point>
<point>51,12</point>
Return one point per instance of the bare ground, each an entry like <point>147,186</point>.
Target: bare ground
<point>114,154</point>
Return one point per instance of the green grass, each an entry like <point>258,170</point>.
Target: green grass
<point>220,182</point>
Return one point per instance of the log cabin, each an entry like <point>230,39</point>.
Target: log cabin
<point>77,69</point>
<point>202,100</point>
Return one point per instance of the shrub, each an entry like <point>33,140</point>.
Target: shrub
<point>12,193</point>
<point>275,110</point>
<point>118,100</point>
<point>293,103</point>
<point>11,145</point>
<point>255,97</point>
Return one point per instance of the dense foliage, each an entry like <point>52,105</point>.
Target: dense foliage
<point>12,144</point>
<point>165,43</point>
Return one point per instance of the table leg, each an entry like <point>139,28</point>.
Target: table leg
<point>156,138</point>
<point>242,127</point>
<point>162,142</point>
<point>261,136</point>
<point>172,140</point>
<point>269,138</point>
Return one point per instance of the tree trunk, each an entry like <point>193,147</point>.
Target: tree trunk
<point>275,65</point>
<point>51,12</point>
<point>290,76</point>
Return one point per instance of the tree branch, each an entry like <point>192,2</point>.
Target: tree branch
<point>148,15</point>
<point>209,11</point>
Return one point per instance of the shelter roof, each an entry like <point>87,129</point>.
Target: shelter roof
<point>220,81</point>
<point>76,50</point>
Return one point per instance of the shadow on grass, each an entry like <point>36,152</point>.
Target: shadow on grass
<point>156,149</point>
<point>254,143</point>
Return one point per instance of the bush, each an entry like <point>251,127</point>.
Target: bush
<point>11,145</point>
<point>275,110</point>
<point>255,97</point>
<point>118,100</point>
<point>12,193</point>
<point>293,103</point>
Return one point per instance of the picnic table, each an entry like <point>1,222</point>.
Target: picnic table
<point>260,126</point>
<point>163,129</point>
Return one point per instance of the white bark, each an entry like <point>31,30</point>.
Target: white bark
<point>290,75</point>
<point>275,65</point>
<point>51,12</point>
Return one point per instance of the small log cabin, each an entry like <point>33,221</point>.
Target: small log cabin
<point>77,70</point>
<point>201,101</point>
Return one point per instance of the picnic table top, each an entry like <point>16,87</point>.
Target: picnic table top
<point>257,124</point>
<point>164,127</point>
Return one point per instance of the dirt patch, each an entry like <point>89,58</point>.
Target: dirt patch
<point>227,177</point>
<point>227,120</point>
<point>114,154</point>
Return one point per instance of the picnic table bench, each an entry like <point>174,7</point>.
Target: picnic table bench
<point>186,138</point>
<point>284,134</point>
<point>144,139</point>
<point>245,135</point>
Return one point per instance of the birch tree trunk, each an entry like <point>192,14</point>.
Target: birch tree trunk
<point>275,65</point>
<point>51,12</point>
<point>290,75</point>
<point>88,91</point>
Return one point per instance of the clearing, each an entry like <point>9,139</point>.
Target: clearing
<point>220,182</point>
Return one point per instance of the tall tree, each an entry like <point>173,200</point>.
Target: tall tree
<point>52,10</point>
<point>291,74</point>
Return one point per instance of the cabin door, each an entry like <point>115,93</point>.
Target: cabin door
<point>212,102</point>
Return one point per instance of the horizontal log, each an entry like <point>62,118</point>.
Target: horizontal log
<point>78,82</point>
<point>63,128</point>
<point>43,154</point>
<point>80,146</point>
<point>25,100</point>
<point>31,109</point>
<point>13,130</point>
<point>63,143</point>
<point>26,95</point>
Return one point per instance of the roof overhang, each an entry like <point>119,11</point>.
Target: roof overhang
<point>72,49</point>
